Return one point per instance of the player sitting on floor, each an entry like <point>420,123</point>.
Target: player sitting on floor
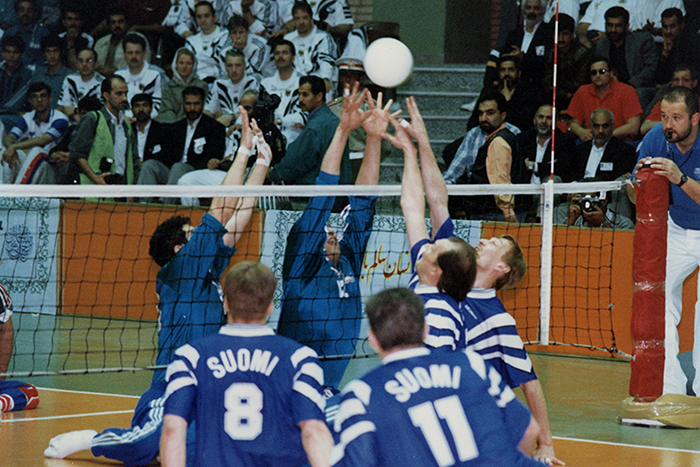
<point>321,305</point>
<point>14,395</point>
<point>190,305</point>
<point>246,413</point>
<point>423,407</point>
<point>444,266</point>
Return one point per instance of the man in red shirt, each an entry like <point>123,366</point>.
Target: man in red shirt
<point>605,92</point>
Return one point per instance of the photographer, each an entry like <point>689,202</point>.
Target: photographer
<point>590,210</point>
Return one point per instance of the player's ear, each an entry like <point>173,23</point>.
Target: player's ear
<point>373,340</point>
<point>268,313</point>
<point>177,248</point>
<point>426,330</point>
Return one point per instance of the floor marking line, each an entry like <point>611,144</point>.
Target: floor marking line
<point>610,443</point>
<point>58,417</point>
<point>89,392</point>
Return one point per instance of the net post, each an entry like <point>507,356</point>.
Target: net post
<point>546,260</point>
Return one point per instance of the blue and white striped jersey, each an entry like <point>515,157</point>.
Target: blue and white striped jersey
<point>491,333</point>
<point>247,389</point>
<point>430,409</point>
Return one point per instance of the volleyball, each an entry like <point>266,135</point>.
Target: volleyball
<point>388,62</point>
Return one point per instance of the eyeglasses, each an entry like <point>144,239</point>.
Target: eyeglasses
<point>602,71</point>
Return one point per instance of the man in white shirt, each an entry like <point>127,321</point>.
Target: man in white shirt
<point>257,53</point>
<point>225,94</point>
<point>285,83</point>
<point>208,43</point>
<point>261,15</point>
<point>78,85</point>
<point>186,25</point>
<point>25,157</point>
<point>138,74</point>
<point>316,49</point>
<point>110,49</point>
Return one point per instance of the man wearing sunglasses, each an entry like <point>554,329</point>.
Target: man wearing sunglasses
<point>605,92</point>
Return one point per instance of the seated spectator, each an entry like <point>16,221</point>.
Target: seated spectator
<point>151,136</point>
<point>531,43</point>
<point>535,146</point>
<point>569,8</point>
<point>257,52</point>
<point>208,43</point>
<point>29,30</point>
<point>185,24</point>
<point>25,157</point>
<point>302,162</point>
<point>74,38</point>
<point>14,80</point>
<point>195,141</point>
<point>679,46</point>
<point>591,210</point>
<point>335,15</point>
<point>591,26</point>
<point>226,93</point>
<point>632,55</point>
<point>683,76</point>
<point>138,74</point>
<point>85,83</point>
<point>52,72</point>
<point>184,68</point>
<point>521,99</point>
<point>104,144</point>
<point>110,48</point>
<point>285,84</point>
<point>496,162</point>
<point>68,172</point>
<point>572,58</point>
<point>608,93</point>
<point>316,49</point>
<point>645,15</point>
<point>603,156</point>
<point>261,16</point>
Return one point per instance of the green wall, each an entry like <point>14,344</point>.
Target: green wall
<point>422,25</point>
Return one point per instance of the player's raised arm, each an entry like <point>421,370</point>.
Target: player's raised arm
<point>350,119</point>
<point>412,197</point>
<point>244,209</point>
<point>375,125</point>
<point>434,183</point>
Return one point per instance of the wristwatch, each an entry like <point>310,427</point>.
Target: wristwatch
<point>684,178</point>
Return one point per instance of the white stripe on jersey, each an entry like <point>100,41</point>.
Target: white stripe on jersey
<point>311,393</point>
<point>497,321</point>
<point>506,340</point>
<point>179,383</point>
<point>176,366</point>
<point>190,353</point>
<point>313,370</point>
<point>517,363</point>
<point>439,304</point>
<point>438,342</point>
<point>348,436</point>
<point>301,355</point>
<point>348,409</point>
<point>500,392</point>
<point>362,390</point>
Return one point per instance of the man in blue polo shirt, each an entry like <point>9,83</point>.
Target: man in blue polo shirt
<point>673,148</point>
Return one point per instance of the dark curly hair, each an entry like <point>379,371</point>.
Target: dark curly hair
<point>167,236</point>
<point>458,269</point>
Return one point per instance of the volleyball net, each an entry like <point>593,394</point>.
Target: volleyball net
<point>83,286</point>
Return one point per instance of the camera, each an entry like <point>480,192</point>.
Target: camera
<point>106,164</point>
<point>588,203</point>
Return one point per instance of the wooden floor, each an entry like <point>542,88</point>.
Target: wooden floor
<point>583,397</point>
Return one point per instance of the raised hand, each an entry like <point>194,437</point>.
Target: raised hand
<point>353,116</point>
<point>377,118</point>
<point>246,131</point>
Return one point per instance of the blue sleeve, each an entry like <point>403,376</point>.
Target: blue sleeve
<point>358,231</point>
<point>58,128</point>
<point>20,128</point>
<point>355,431</point>
<point>303,255</point>
<point>207,246</point>
<point>446,230</point>
<point>415,251</point>
<point>181,392</point>
<point>308,402</point>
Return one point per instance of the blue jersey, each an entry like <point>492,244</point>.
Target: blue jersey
<point>247,389</point>
<point>683,210</point>
<point>321,303</point>
<point>442,312</point>
<point>190,296</point>
<point>430,409</point>
<point>491,333</point>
